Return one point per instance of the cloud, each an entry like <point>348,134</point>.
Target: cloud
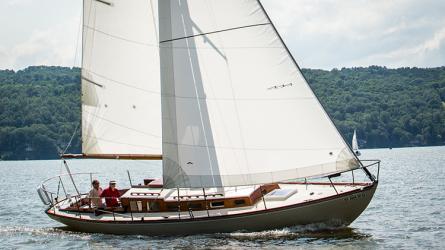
<point>329,33</point>
<point>320,33</point>
<point>430,51</point>
<point>18,2</point>
<point>436,42</point>
<point>38,32</point>
<point>53,46</point>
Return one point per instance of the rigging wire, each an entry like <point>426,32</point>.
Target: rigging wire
<point>74,65</point>
<point>71,139</point>
<point>78,38</point>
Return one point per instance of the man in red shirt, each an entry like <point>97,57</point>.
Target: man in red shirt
<point>111,194</point>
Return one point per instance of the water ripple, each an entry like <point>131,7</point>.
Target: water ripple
<point>406,213</point>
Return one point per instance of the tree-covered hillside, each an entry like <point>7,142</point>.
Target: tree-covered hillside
<point>39,110</point>
<point>388,107</point>
<point>40,107</point>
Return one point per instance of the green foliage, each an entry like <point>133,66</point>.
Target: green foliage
<point>39,111</point>
<point>388,107</point>
<point>40,107</point>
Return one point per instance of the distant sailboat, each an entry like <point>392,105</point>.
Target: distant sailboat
<point>209,88</point>
<point>355,144</point>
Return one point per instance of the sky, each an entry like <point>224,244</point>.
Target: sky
<point>322,34</point>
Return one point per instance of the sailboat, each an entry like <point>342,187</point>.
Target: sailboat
<point>355,144</point>
<point>209,88</point>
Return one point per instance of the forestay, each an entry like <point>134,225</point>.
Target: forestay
<point>121,106</point>
<point>236,108</point>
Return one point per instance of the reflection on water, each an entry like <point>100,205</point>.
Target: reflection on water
<point>406,212</point>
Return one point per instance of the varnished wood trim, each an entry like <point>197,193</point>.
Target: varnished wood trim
<point>114,156</point>
<point>329,184</point>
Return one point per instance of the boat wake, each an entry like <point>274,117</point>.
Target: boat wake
<point>44,231</point>
<point>60,237</point>
<point>315,231</point>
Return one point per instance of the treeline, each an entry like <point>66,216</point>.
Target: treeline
<point>40,107</point>
<point>39,111</point>
<point>388,107</point>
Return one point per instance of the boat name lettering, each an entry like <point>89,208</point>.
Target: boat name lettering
<point>353,197</point>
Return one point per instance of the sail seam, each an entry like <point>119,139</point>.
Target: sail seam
<point>122,143</point>
<point>123,126</point>
<point>189,97</point>
<point>120,83</point>
<point>121,38</point>
<point>257,149</point>
<point>243,99</point>
<point>182,47</point>
<point>214,32</point>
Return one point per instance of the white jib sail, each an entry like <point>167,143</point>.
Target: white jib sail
<point>354,142</point>
<point>121,105</point>
<point>236,108</point>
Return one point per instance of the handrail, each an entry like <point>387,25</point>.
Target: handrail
<point>53,197</point>
<point>374,162</point>
<point>57,176</point>
<point>80,201</point>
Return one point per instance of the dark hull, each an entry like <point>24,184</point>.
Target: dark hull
<point>338,210</point>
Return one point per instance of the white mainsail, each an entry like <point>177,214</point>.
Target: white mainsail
<point>121,104</point>
<point>236,109</point>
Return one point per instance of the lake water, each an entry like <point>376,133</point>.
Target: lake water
<point>406,212</point>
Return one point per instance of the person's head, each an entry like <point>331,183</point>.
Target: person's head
<point>112,184</point>
<point>96,184</point>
